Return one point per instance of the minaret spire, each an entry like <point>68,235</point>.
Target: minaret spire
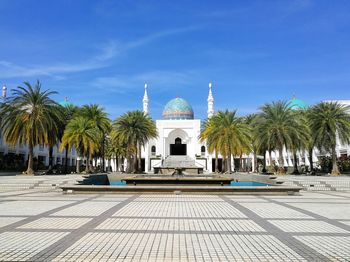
<point>4,92</point>
<point>210,102</point>
<point>145,100</point>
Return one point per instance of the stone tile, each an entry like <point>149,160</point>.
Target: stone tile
<point>271,210</point>
<point>306,226</point>
<point>185,209</point>
<point>177,247</point>
<point>334,248</point>
<point>4,221</point>
<point>56,223</point>
<point>215,225</point>
<point>88,209</point>
<point>21,246</point>
<point>29,208</point>
<point>337,211</point>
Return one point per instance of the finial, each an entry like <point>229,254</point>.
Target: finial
<point>210,84</point>
<point>4,91</point>
<point>146,85</point>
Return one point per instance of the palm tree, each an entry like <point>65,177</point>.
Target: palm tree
<point>117,148</point>
<point>207,135</point>
<point>29,117</point>
<point>135,128</point>
<point>69,112</point>
<point>300,139</point>
<point>310,142</point>
<point>260,140</point>
<point>228,133</point>
<point>278,127</point>
<point>99,118</point>
<point>330,121</point>
<point>55,136</point>
<point>251,121</point>
<point>84,136</point>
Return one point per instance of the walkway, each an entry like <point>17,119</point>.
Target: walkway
<point>42,224</point>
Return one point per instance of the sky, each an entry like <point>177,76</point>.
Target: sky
<point>103,51</point>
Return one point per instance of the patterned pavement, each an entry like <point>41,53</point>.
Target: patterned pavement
<point>46,225</point>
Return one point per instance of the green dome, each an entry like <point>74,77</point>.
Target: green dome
<point>297,104</point>
<point>65,103</point>
<point>177,109</point>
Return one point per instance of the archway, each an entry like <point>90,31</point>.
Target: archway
<point>178,149</point>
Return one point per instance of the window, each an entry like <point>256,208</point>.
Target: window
<point>178,141</point>
<point>203,150</point>
<point>153,150</point>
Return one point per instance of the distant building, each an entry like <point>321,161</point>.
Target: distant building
<point>12,156</point>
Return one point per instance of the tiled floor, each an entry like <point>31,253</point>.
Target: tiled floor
<point>49,226</point>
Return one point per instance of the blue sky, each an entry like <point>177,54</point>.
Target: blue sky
<point>103,51</point>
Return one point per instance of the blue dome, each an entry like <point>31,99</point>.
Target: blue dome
<point>177,109</point>
<point>297,104</point>
<point>65,103</point>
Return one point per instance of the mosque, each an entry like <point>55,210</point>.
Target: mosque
<point>177,142</point>
<point>178,133</point>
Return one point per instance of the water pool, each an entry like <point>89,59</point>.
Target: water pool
<point>117,183</point>
<point>247,183</point>
<point>233,183</point>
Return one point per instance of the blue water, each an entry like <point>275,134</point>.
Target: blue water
<point>117,183</point>
<point>247,183</point>
<point>233,183</point>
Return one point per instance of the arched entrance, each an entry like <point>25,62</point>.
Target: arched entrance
<point>178,149</point>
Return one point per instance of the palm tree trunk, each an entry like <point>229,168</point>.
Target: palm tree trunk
<point>216,162</point>
<point>335,169</point>
<point>139,168</point>
<point>255,162</point>
<point>311,160</point>
<point>295,158</point>
<point>229,164</point>
<point>30,170</point>
<point>264,164</point>
<point>103,153</point>
<point>280,161</point>
<point>135,163</point>
<point>77,166</point>
<point>49,171</point>
<point>66,162</point>
<point>87,163</point>
<point>240,163</point>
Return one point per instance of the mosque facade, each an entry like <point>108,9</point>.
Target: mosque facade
<point>178,133</point>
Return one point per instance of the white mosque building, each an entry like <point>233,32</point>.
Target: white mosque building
<point>178,133</point>
<point>18,154</point>
<point>177,139</point>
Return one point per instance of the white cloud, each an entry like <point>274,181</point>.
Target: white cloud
<point>108,52</point>
<point>9,69</point>
<point>158,80</point>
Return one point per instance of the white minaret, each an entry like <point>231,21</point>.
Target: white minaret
<point>145,100</point>
<point>4,92</point>
<point>210,102</point>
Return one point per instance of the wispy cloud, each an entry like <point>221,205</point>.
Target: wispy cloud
<point>159,80</point>
<point>108,52</point>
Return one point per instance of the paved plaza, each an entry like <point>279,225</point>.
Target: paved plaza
<point>41,223</point>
